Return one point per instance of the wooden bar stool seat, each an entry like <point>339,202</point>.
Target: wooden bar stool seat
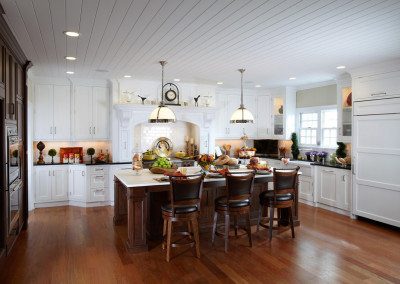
<point>236,204</point>
<point>184,208</point>
<point>281,197</point>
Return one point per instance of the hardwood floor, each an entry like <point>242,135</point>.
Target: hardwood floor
<point>78,245</point>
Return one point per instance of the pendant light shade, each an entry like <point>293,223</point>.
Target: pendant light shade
<point>162,114</point>
<point>242,115</point>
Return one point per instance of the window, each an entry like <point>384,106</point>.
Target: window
<point>328,128</point>
<point>318,127</point>
<point>308,128</point>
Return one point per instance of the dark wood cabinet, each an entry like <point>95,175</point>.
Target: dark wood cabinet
<point>13,66</point>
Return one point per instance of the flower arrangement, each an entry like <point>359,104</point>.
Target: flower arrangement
<point>205,161</point>
<point>322,156</point>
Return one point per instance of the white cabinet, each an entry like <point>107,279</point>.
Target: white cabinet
<point>51,183</point>
<point>101,117</point>
<point>306,188</point>
<point>77,183</point>
<point>59,184</point>
<point>376,86</point>
<point>263,117</point>
<point>333,187</point>
<point>83,113</point>
<point>52,111</point>
<point>91,113</point>
<point>376,160</point>
<point>42,184</point>
<point>344,103</point>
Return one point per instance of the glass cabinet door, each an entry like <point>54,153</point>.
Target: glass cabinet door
<point>346,112</point>
<point>277,115</point>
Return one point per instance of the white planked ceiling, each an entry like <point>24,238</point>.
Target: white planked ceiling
<point>206,40</point>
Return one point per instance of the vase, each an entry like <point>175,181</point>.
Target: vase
<point>206,167</point>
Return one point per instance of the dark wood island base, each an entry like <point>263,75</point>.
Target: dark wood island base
<point>140,208</point>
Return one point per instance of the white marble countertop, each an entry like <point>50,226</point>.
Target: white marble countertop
<point>146,178</point>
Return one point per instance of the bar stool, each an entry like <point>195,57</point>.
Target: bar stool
<point>185,197</point>
<point>235,204</point>
<point>282,196</point>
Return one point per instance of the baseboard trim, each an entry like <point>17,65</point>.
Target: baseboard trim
<point>73,203</point>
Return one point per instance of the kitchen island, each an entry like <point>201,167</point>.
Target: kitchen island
<point>138,200</point>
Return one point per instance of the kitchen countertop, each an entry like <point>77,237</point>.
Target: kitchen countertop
<point>146,178</point>
<point>347,167</point>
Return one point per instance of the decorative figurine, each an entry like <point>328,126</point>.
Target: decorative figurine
<point>40,146</point>
<point>196,101</point>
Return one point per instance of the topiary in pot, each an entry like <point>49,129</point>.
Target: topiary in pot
<point>295,146</point>
<point>341,150</point>
<point>90,152</point>
<point>52,153</point>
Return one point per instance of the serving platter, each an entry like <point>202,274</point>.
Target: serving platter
<point>163,147</point>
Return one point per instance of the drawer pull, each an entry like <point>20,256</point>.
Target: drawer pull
<point>378,94</point>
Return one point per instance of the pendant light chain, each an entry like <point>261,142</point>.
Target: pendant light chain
<point>162,81</point>
<point>241,87</point>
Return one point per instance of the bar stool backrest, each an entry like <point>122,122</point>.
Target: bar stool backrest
<point>285,180</point>
<point>239,186</point>
<point>186,191</point>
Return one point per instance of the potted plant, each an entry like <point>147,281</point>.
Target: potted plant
<point>52,153</point>
<point>90,152</point>
<point>322,156</point>
<point>295,146</point>
<point>341,150</point>
<point>308,155</point>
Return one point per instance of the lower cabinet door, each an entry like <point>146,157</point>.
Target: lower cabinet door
<point>43,179</point>
<point>306,188</point>
<point>59,187</point>
<point>77,183</point>
<point>327,187</point>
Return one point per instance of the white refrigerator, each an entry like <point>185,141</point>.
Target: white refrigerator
<point>376,160</point>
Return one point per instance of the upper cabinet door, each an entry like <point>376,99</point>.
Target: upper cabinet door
<point>62,113</point>
<point>43,114</point>
<point>264,116</point>
<point>83,106</point>
<point>101,103</point>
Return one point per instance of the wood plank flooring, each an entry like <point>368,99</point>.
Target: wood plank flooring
<point>78,245</point>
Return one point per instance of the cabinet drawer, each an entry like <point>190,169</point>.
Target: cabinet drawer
<point>98,170</point>
<point>98,194</point>
<point>98,180</point>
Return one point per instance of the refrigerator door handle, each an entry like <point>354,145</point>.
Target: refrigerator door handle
<point>353,166</point>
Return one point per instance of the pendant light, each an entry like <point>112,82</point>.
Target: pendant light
<point>162,114</point>
<point>242,115</point>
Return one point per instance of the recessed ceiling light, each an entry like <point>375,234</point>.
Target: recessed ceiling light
<point>257,86</point>
<point>220,83</point>
<point>127,76</point>
<point>71,33</point>
<point>72,58</point>
<point>341,67</point>
<point>70,72</point>
<point>292,78</point>
<point>177,80</point>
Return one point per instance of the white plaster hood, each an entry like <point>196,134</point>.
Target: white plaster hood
<point>130,115</point>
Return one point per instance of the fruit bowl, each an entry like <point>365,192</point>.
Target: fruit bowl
<point>159,170</point>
